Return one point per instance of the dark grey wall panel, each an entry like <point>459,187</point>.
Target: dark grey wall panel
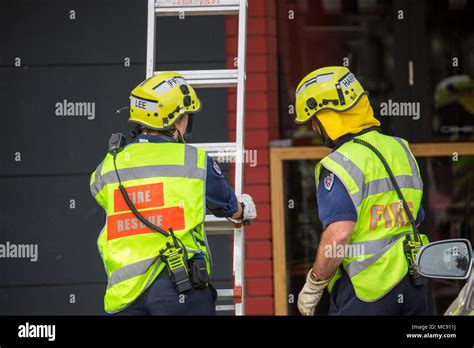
<point>104,32</point>
<point>51,144</point>
<point>197,41</point>
<point>41,33</point>
<point>38,212</point>
<point>221,249</point>
<point>210,124</point>
<point>53,300</point>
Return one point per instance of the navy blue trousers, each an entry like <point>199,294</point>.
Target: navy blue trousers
<point>161,298</point>
<point>403,299</point>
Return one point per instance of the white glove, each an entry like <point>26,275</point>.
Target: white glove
<point>310,295</point>
<point>249,210</point>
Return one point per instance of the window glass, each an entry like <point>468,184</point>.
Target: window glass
<point>416,59</point>
<point>449,213</point>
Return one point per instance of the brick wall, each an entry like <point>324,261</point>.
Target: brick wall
<point>261,127</point>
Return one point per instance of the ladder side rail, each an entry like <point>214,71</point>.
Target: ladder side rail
<point>150,39</point>
<point>239,241</point>
<point>239,236</point>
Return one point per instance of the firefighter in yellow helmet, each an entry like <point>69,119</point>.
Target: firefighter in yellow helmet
<point>454,108</point>
<point>361,254</point>
<point>164,103</point>
<point>155,191</point>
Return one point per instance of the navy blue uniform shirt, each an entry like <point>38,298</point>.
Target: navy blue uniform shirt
<point>220,198</point>
<point>334,202</point>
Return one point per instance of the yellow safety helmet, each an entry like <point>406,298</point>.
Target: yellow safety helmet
<point>455,89</point>
<point>158,102</point>
<point>330,88</point>
<point>336,100</point>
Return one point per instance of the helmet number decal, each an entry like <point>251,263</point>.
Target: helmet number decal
<point>168,84</point>
<point>347,80</point>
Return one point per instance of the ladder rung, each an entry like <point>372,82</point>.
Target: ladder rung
<point>225,308</point>
<point>219,151</point>
<point>218,226</point>
<point>195,8</point>
<point>210,78</point>
<point>225,292</point>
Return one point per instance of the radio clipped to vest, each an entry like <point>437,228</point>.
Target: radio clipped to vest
<point>176,260</point>
<point>175,255</point>
<point>412,242</point>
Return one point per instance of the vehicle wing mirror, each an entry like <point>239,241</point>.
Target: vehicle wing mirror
<point>447,259</point>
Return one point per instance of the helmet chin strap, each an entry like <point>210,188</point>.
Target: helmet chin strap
<point>181,139</point>
<point>186,137</point>
<point>328,142</point>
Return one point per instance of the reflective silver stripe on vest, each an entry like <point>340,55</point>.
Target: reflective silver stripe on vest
<point>97,185</point>
<point>191,155</point>
<point>375,186</point>
<point>190,163</point>
<point>152,275</point>
<point>354,171</point>
<point>136,269</point>
<point>385,185</point>
<point>188,170</point>
<point>411,160</point>
<point>375,247</point>
<point>130,271</point>
<point>143,172</point>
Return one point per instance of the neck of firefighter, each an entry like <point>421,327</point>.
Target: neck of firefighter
<point>180,127</point>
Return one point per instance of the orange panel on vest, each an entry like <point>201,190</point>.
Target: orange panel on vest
<point>123,225</point>
<point>142,196</point>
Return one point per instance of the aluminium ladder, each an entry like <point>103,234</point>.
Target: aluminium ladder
<point>215,79</point>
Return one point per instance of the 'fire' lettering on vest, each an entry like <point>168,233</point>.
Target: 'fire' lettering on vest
<point>142,196</point>
<point>393,215</point>
<point>376,212</point>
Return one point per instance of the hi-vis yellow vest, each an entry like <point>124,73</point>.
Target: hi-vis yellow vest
<point>376,261</point>
<point>166,183</point>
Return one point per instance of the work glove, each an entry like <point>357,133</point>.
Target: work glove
<point>310,295</point>
<point>249,210</point>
